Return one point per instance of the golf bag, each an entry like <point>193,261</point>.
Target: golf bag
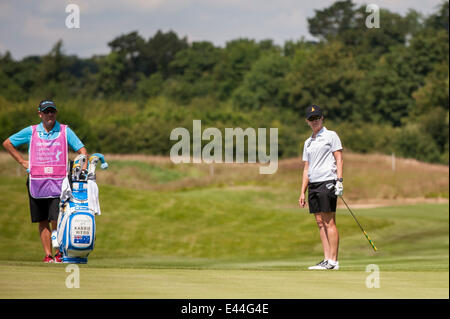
<point>79,205</point>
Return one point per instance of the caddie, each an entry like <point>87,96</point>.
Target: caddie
<point>47,166</point>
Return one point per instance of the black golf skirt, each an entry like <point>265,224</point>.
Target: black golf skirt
<point>321,197</point>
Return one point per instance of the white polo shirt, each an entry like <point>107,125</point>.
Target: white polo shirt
<point>318,152</point>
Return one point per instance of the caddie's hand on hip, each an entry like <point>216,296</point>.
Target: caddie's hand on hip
<point>25,164</point>
<point>339,188</point>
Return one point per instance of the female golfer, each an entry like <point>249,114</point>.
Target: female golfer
<point>322,176</point>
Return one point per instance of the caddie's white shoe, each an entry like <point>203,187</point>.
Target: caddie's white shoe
<point>320,265</point>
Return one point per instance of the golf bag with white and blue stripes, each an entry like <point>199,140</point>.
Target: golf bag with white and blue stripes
<point>78,207</point>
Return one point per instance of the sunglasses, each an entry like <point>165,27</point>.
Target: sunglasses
<point>46,111</point>
<point>314,118</point>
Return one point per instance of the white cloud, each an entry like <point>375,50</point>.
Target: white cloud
<point>138,6</point>
<point>6,9</point>
<point>402,6</point>
<point>37,26</point>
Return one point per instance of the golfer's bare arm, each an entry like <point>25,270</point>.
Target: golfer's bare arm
<point>15,153</point>
<point>305,181</point>
<point>339,163</point>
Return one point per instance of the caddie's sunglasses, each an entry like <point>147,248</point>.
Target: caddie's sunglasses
<point>46,111</point>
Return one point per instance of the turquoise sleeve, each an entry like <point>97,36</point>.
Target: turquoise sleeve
<point>73,140</point>
<point>21,137</point>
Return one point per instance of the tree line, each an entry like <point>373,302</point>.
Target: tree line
<point>383,89</point>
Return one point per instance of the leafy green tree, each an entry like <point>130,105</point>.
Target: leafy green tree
<point>53,76</point>
<point>394,30</point>
<point>383,96</point>
<point>196,61</point>
<point>130,47</point>
<point>111,75</point>
<point>386,91</point>
<point>10,86</point>
<point>344,21</point>
<point>290,47</point>
<point>264,84</point>
<point>133,60</point>
<point>426,50</point>
<point>124,63</point>
<point>160,50</point>
<point>411,142</point>
<point>150,86</point>
<point>432,107</point>
<point>326,76</point>
<point>435,93</point>
<point>193,68</point>
<point>387,87</point>
<point>439,20</point>
<point>236,60</point>
<point>329,23</point>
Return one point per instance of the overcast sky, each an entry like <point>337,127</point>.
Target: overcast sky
<point>33,27</point>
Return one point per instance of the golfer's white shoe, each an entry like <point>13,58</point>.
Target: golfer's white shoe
<point>320,265</point>
<point>332,265</point>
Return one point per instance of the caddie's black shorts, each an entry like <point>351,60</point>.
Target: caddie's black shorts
<point>43,208</point>
<point>321,197</point>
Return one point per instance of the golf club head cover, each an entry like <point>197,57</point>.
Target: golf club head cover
<point>101,157</point>
<point>93,160</point>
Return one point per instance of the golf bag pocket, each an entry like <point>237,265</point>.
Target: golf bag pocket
<point>76,235</point>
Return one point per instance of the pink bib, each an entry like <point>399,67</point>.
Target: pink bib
<point>47,164</point>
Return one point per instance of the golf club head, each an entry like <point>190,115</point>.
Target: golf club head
<point>93,160</point>
<point>78,165</point>
<point>80,159</point>
<point>76,170</point>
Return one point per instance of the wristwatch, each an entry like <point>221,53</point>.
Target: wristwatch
<point>340,179</point>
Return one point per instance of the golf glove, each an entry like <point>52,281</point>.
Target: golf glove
<point>339,188</point>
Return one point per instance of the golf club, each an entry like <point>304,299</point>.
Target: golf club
<point>362,229</point>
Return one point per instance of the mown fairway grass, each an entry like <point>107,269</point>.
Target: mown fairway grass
<point>28,281</point>
<point>208,237</point>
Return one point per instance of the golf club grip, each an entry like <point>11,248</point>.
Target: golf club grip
<point>370,241</point>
